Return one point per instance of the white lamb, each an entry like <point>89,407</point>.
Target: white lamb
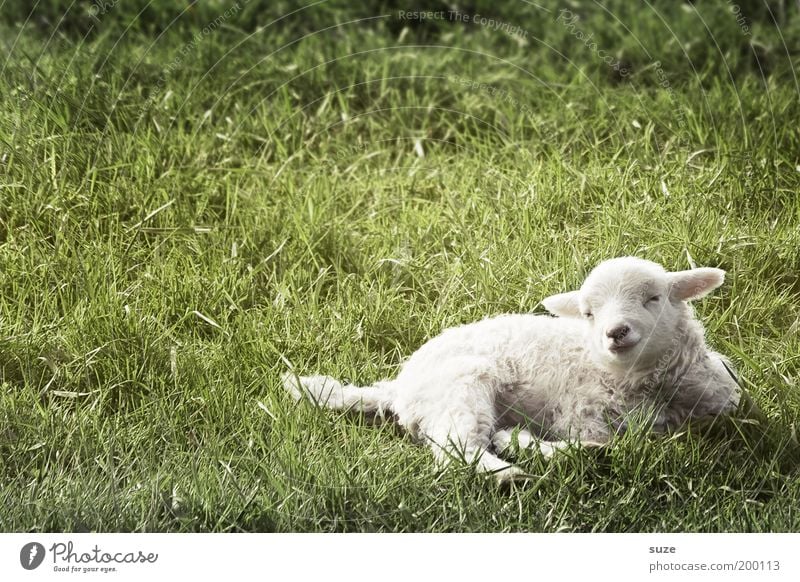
<point>626,345</point>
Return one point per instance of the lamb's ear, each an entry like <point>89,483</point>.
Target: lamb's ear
<point>694,283</point>
<point>563,304</point>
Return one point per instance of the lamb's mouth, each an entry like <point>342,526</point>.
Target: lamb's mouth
<point>618,349</point>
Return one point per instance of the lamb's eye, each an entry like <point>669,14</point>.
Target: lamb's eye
<point>588,314</point>
<point>654,299</point>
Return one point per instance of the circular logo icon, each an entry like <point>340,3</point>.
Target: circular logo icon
<point>31,555</point>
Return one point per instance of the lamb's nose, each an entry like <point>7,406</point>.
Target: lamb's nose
<point>619,332</point>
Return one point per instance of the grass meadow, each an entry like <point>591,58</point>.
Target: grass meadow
<point>195,196</point>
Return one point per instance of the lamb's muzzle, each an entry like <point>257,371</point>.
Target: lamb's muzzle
<point>618,333</point>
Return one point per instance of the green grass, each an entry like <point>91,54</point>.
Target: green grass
<point>181,216</point>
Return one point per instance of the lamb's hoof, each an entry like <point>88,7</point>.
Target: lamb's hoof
<point>511,474</point>
<point>593,444</point>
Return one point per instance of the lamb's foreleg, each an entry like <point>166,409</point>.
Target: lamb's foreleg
<point>504,439</point>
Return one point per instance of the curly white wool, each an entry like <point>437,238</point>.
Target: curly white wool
<point>624,346</point>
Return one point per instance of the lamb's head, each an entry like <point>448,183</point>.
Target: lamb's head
<point>634,309</point>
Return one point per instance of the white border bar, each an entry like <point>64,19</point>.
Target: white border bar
<point>404,557</point>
